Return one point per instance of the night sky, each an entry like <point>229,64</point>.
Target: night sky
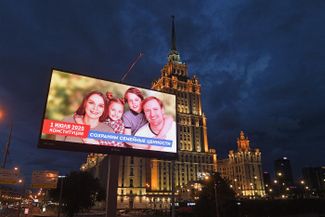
<point>260,64</point>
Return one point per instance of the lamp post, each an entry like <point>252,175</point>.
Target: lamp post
<point>60,196</point>
<point>20,182</point>
<point>7,145</point>
<point>207,177</point>
<point>216,198</point>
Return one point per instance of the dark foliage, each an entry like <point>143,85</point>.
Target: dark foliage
<point>278,208</point>
<point>206,206</point>
<point>80,191</point>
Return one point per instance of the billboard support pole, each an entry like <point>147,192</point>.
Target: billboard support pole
<point>113,166</point>
<point>112,184</point>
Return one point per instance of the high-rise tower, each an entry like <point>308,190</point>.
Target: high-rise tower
<point>146,183</point>
<point>283,172</point>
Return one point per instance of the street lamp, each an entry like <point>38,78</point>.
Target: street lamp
<point>216,198</point>
<point>20,182</point>
<point>61,190</point>
<point>214,179</point>
<point>6,150</point>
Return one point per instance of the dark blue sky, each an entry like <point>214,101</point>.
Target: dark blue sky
<point>260,63</point>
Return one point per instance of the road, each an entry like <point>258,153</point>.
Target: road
<point>8,212</point>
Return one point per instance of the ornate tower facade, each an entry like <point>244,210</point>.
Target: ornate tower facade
<point>195,157</point>
<point>243,169</point>
<point>147,183</point>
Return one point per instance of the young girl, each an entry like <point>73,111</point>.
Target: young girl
<point>114,120</point>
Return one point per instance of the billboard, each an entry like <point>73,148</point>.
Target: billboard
<point>9,176</point>
<point>93,115</point>
<point>45,179</point>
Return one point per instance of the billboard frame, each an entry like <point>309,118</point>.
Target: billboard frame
<point>91,148</point>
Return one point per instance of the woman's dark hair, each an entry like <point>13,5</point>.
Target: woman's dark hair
<point>135,91</point>
<point>81,109</point>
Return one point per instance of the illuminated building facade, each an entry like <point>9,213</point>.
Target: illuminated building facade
<point>314,178</point>
<point>283,171</point>
<point>243,169</point>
<point>147,183</point>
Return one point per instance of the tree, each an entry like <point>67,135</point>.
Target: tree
<point>80,191</point>
<point>206,205</point>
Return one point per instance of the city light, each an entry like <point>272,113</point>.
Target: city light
<point>275,181</point>
<point>302,182</point>
<point>279,174</point>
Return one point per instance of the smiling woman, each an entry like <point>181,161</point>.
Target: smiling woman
<point>92,112</point>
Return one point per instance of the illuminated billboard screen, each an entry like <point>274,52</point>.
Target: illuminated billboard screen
<point>93,115</point>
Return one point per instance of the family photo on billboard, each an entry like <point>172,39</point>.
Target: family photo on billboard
<point>87,110</point>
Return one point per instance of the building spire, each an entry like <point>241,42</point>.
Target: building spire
<point>173,55</point>
<point>173,34</point>
<point>243,142</point>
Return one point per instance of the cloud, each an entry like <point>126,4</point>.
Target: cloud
<point>260,64</point>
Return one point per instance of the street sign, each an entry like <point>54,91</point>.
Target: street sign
<point>9,176</point>
<point>44,179</point>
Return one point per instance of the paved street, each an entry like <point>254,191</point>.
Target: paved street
<point>8,212</point>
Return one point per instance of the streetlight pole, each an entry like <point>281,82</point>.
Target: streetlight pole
<point>6,151</point>
<point>60,197</point>
<point>216,198</point>
<point>113,165</point>
<point>214,180</point>
<point>6,147</point>
<point>20,181</point>
<point>173,188</point>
